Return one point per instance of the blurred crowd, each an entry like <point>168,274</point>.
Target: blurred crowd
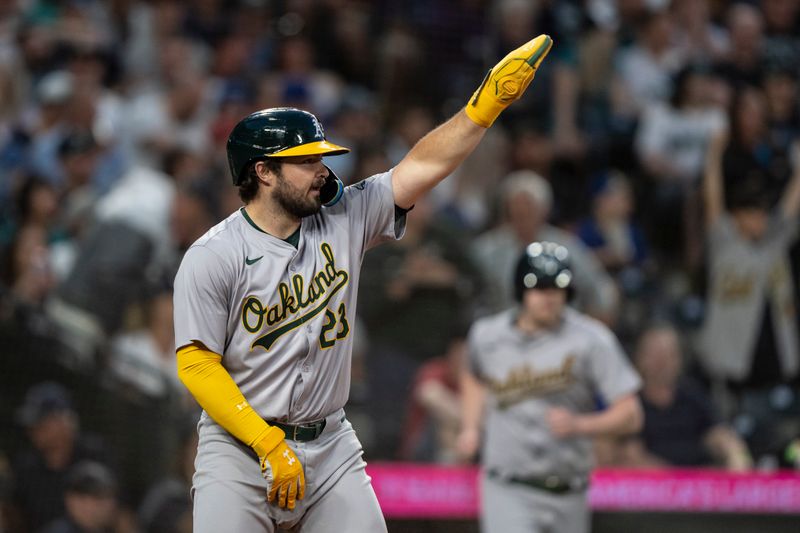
<point>659,144</point>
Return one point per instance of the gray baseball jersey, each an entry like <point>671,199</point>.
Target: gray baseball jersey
<point>745,276</point>
<point>571,366</point>
<point>280,316</point>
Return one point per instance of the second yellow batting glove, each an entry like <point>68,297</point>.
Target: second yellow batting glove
<point>507,81</point>
<point>281,468</point>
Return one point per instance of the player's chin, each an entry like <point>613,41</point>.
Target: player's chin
<point>549,317</point>
<point>315,200</point>
<point>312,207</point>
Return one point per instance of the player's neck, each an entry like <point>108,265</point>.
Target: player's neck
<point>273,221</point>
<point>529,325</point>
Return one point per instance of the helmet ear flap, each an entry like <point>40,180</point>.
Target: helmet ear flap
<point>333,189</point>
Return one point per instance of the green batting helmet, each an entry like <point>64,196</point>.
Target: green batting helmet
<point>276,132</point>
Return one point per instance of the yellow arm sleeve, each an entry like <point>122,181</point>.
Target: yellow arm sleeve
<point>201,371</point>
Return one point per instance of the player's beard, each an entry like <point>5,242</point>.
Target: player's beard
<point>294,201</point>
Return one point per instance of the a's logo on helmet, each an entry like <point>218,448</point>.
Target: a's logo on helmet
<point>318,127</point>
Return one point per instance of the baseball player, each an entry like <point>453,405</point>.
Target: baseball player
<point>265,303</point>
<point>537,369</point>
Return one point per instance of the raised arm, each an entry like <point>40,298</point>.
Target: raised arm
<point>790,202</point>
<point>713,188</point>
<point>439,152</point>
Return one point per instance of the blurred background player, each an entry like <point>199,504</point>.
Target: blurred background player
<point>535,369</point>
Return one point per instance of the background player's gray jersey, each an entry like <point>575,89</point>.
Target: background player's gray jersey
<point>569,366</point>
<point>281,316</point>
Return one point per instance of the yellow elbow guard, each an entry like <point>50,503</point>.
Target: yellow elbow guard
<point>507,81</point>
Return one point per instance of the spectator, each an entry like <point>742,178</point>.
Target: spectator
<point>29,273</point>
<point>744,63</point>
<point>78,155</point>
<point>401,61</point>
<point>143,369</point>
<point>349,35</point>
<point>423,283</point>
<point>408,127</point>
<point>299,82</point>
<point>90,501</point>
<point>37,205</point>
<point>433,418</point>
<point>781,92</point>
<point>671,142</point>
<point>178,117</point>
<point>610,232</point>
<point>532,150</point>
<point>167,506</point>
<point>12,88</point>
<point>751,153</point>
<point>370,160</point>
<point>681,426</point>
<point>194,210</point>
<point>619,244</point>
<point>43,128</point>
<point>782,22</point>
<point>699,39</point>
<point>672,138</point>
<point>40,472</point>
<point>356,123</point>
<point>749,336</point>
<point>462,199</point>
<point>144,359</point>
<point>525,201</point>
<point>127,241</point>
<point>644,70</point>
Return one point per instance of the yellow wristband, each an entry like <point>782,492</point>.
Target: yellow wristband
<point>271,438</point>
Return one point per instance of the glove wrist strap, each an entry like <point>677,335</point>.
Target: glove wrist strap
<point>486,114</point>
<point>269,441</point>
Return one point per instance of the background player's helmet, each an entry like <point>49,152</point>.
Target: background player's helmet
<point>543,265</point>
<point>281,132</point>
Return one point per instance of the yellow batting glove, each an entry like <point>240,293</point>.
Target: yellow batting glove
<point>281,468</point>
<point>507,81</point>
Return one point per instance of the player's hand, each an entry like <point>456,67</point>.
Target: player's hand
<point>563,422</point>
<point>467,444</point>
<point>739,462</point>
<point>507,81</point>
<point>284,475</point>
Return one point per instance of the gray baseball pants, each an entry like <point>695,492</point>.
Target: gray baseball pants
<point>229,492</point>
<point>514,508</point>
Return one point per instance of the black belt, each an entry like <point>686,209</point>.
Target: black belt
<point>552,484</point>
<point>301,432</point>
